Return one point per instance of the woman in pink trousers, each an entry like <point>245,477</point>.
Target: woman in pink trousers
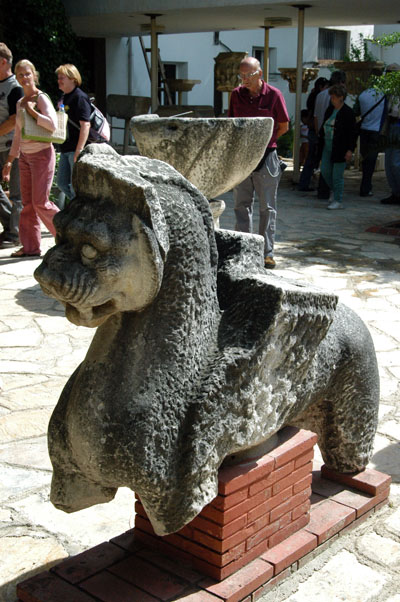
<point>36,163</point>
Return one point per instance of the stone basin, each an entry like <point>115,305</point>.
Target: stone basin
<point>182,85</point>
<point>214,154</point>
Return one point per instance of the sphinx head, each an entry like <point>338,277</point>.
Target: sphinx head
<point>111,244</point>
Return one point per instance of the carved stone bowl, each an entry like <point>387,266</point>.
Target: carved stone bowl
<point>214,154</point>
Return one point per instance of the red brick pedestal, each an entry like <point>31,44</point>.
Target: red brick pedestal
<point>260,526</point>
<point>260,503</point>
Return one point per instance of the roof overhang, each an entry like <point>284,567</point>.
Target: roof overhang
<point>109,18</point>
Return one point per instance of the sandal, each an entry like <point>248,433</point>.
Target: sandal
<point>21,253</point>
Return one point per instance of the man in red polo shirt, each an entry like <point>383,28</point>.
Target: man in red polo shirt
<point>255,98</point>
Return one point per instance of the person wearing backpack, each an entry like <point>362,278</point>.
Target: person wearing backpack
<point>371,107</point>
<point>78,108</point>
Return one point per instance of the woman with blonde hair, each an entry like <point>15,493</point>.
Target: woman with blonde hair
<point>36,162</point>
<point>77,106</point>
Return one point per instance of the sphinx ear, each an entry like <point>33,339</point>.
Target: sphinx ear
<point>150,260</point>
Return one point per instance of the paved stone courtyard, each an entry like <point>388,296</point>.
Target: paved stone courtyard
<point>39,349</point>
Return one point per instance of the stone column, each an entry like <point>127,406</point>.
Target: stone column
<point>226,75</point>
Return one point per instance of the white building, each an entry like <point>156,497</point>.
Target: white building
<point>191,56</point>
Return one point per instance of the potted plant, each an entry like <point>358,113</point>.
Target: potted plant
<point>358,64</point>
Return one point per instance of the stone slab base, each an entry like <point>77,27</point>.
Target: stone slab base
<point>260,502</point>
<point>126,569</point>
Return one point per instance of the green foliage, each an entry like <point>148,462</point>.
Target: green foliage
<point>39,30</point>
<point>359,51</point>
<point>285,143</point>
<point>387,40</point>
<point>387,83</point>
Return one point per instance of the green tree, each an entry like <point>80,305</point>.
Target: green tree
<point>388,83</point>
<point>39,30</point>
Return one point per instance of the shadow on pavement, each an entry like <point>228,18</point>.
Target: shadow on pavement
<point>387,460</point>
<point>34,300</point>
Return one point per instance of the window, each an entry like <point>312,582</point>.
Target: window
<point>258,53</point>
<point>332,44</point>
<point>170,73</point>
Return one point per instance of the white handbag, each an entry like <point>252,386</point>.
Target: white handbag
<point>32,131</point>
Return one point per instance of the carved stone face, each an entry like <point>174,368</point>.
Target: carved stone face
<point>106,260</point>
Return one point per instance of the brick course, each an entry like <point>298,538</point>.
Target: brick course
<point>143,567</point>
<point>264,499</point>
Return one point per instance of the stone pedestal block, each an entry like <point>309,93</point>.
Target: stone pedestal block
<point>260,502</point>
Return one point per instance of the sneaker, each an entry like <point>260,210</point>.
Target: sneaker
<point>335,205</point>
<point>269,263</point>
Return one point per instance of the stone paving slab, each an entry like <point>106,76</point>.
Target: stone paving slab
<point>329,249</point>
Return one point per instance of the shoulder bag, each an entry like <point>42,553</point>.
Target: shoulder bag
<point>32,131</point>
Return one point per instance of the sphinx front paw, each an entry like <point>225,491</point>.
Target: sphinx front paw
<point>71,492</point>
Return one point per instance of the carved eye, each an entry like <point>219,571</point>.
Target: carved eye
<point>88,252</point>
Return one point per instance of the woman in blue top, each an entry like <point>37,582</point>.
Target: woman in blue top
<point>337,142</point>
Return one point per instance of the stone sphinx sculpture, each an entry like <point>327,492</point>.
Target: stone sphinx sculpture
<point>199,353</point>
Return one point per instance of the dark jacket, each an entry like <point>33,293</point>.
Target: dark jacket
<point>344,133</point>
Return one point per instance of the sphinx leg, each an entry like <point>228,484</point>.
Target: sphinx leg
<point>345,414</point>
<point>346,437</point>
<point>71,491</point>
<point>346,429</point>
<point>346,420</point>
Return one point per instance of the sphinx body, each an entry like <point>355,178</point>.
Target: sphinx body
<point>198,354</point>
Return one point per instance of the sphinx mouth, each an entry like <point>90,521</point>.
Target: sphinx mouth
<point>91,316</point>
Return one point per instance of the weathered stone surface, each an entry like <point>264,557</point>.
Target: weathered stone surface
<point>215,154</point>
<point>51,324</point>
<point>5,515</point>
<point>188,366</point>
<point>20,338</point>
<point>342,578</point>
<point>17,452</point>
<point>29,423</point>
<point>15,367</point>
<point>87,528</point>
<point>24,556</point>
<point>17,480</point>
<point>217,208</point>
<point>393,522</point>
<point>386,456</point>
<point>380,548</point>
<point>34,395</point>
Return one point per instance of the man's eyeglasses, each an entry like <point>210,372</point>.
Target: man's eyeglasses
<point>244,76</point>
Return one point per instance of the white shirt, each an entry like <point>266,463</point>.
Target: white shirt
<point>367,99</point>
<point>321,104</point>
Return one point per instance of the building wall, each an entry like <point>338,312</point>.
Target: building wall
<point>194,55</point>
<point>388,55</point>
